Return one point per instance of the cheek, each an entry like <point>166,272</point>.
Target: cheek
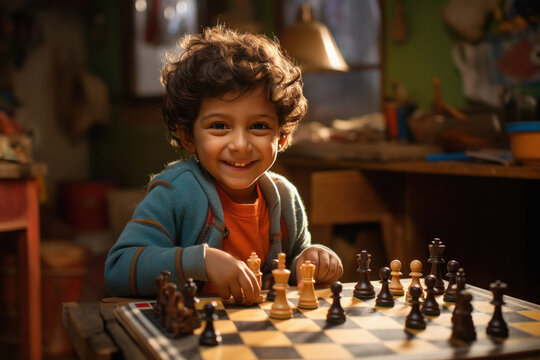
<point>271,146</point>
<point>209,149</point>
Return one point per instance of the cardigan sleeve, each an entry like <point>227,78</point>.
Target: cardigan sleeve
<point>152,242</point>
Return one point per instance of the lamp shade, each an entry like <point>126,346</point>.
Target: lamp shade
<point>312,44</point>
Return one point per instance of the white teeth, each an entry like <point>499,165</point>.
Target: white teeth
<point>237,164</point>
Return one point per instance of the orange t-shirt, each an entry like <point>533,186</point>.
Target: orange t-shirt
<point>249,229</point>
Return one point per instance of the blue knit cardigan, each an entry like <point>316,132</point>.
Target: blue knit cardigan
<point>180,216</point>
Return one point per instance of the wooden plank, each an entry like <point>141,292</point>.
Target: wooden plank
<point>103,347</point>
<point>13,225</point>
<point>30,276</point>
<point>86,330</point>
<point>421,167</point>
<point>130,349</point>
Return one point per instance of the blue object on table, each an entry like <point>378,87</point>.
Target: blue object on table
<point>523,126</point>
<point>493,156</point>
<point>455,156</point>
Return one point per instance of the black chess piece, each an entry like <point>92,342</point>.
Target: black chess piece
<point>462,325</point>
<point>436,249</point>
<point>188,291</point>
<point>335,313</point>
<point>271,295</point>
<point>385,298</point>
<point>363,288</point>
<point>430,305</point>
<point>210,336</point>
<point>168,293</point>
<point>458,287</point>
<point>450,294</point>
<point>415,319</point>
<point>497,326</point>
<point>161,281</point>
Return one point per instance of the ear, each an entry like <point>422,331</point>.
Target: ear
<point>282,142</point>
<point>185,140</point>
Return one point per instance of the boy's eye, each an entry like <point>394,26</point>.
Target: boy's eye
<point>218,126</point>
<point>260,126</point>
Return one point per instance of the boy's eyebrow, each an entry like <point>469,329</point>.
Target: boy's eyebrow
<point>267,115</point>
<point>218,114</point>
<point>206,116</point>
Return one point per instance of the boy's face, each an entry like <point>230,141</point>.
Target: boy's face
<point>236,141</point>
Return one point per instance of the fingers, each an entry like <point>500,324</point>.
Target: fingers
<point>335,271</point>
<point>322,271</point>
<point>328,267</point>
<point>224,292</point>
<point>236,291</point>
<point>250,285</point>
<point>301,259</point>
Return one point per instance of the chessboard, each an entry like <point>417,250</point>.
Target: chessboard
<point>369,332</point>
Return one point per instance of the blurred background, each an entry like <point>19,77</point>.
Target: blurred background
<point>413,82</point>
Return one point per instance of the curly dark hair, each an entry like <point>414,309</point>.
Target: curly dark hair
<point>220,61</point>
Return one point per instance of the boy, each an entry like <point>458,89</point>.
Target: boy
<point>232,100</point>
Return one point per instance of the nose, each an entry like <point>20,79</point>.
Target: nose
<point>239,141</point>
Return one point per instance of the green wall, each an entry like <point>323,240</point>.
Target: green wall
<point>424,56</point>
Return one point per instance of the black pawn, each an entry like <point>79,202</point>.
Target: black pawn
<point>463,326</point>
<point>335,313</point>
<point>458,288</point>
<point>210,336</point>
<point>415,319</point>
<point>430,306</point>
<point>450,293</point>
<point>385,298</point>
<point>271,295</point>
<point>363,288</point>
<point>497,326</point>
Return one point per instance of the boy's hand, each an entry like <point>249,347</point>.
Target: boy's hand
<point>231,276</point>
<point>328,267</point>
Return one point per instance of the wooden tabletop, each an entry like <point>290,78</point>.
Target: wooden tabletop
<point>419,167</point>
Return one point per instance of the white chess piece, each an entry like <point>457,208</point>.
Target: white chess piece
<point>281,308</point>
<point>254,264</point>
<point>308,299</point>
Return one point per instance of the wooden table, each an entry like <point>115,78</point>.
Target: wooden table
<point>97,331</point>
<point>484,213</point>
<point>19,213</point>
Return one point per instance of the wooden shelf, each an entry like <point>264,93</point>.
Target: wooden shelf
<point>421,167</point>
<point>13,225</point>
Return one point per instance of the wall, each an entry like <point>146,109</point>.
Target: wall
<point>35,86</point>
<point>134,146</point>
<point>425,55</point>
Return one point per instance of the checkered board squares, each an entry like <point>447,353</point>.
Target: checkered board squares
<point>369,332</point>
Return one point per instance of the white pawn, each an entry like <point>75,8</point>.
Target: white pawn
<point>415,274</point>
<point>254,264</point>
<point>396,288</point>
<point>308,299</point>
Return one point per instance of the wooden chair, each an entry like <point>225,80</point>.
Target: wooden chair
<point>348,197</point>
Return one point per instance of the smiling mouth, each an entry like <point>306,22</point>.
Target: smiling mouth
<point>239,164</point>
